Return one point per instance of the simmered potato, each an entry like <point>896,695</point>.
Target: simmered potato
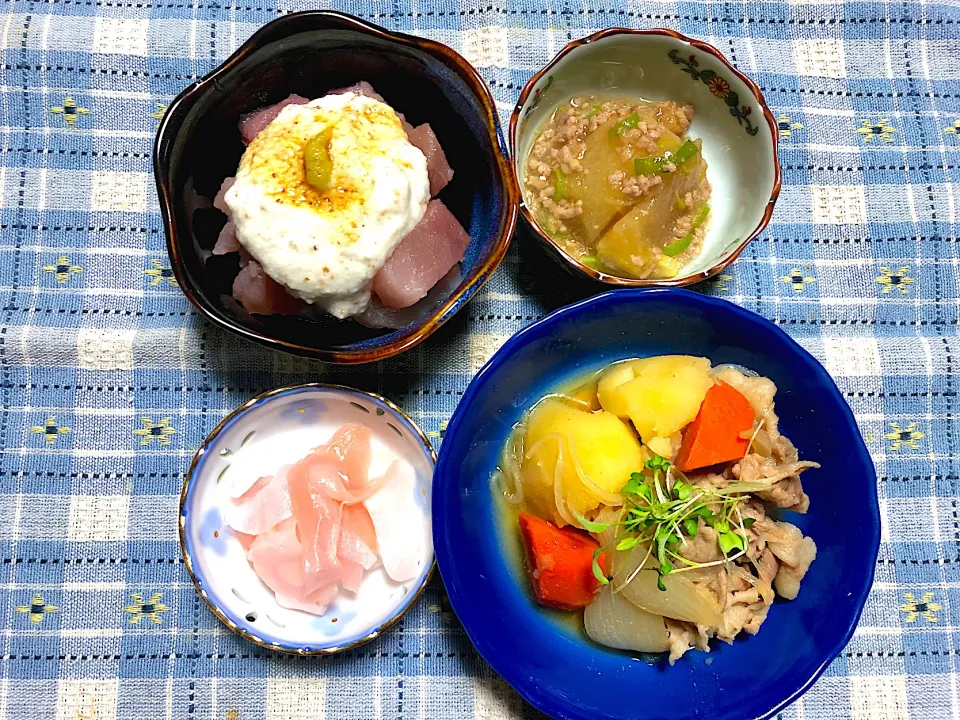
<point>662,396</point>
<point>600,444</point>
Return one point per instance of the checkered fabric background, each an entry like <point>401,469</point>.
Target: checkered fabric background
<point>98,346</point>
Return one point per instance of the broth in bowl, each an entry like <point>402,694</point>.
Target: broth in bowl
<point>620,185</point>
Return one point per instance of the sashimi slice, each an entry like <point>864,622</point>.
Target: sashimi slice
<point>394,512</point>
<point>438,169</point>
<point>259,293</point>
<point>218,202</point>
<point>423,257</point>
<point>378,316</point>
<point>227,241</point>
<point>318,519</point>
<point>252,123</point>
<point>358,538</point>
<point>277,558</point>
<point>264,505</point>
<point>360,88</point>
<point>409,130</point>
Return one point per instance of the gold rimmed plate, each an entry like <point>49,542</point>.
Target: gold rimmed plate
<point>256,439</point>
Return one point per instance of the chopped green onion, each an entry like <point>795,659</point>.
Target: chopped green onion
<point>701,216</point>
<point>589,525</point>
<point>679,204</point>
<point>559,185</point>
<point>594,109</point>
<point>317,161</point>
<point>685,152</point>
<point>675,248</point>
<point>597,570</point>
<point>647,165</point>
<point>621,127</point>
<point>589,261</point>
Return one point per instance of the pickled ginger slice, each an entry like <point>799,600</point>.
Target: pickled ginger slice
<point>358,538</point>
<point>394,512</point>
<point>277,558</point>
<point>265,504</point>
<point>317,516</point>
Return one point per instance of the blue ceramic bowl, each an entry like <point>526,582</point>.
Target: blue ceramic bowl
<point>552,665</point>
<point>308,53</point>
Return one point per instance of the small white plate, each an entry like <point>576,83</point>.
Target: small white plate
<point>275,429</point>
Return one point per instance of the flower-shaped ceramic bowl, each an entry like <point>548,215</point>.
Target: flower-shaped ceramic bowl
<point>275,429</point>
<point>738,130</point>
<point>308,53</point>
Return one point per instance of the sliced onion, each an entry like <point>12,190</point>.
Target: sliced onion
<point>615,622</point>
<point>682,600</point>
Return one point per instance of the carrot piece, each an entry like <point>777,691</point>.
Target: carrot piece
<point>560,562</point>
<point>714,436</point>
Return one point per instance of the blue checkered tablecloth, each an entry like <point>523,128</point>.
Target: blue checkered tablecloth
<point>110,379</point>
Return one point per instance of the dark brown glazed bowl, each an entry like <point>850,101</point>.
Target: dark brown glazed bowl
<point>738,130</point>
<point>308,53</point>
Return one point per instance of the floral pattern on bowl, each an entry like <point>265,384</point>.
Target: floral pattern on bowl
<point>664,65</point>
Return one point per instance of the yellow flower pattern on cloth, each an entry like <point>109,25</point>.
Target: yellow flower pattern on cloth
<point>160,111</point>
<point>787,127</point>
<point>895,280</point>
<point>152,609</point>
<point>50,430</point>
<point>37,609</point>
<point>62,269</point>
<point>904,437</point>
<point>158,272</point>
<point>797,279</point>
<point>879,129</point>
<point>924,607</point>
<point>159,431</point>
<point>953,129</point>
<point>69,111</point>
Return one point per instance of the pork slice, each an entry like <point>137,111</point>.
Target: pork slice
<point>438,169</point>
<point>227,241</point>
<point>252,123</point>
<point>219,202</point>
<point>422,258</point>
<point>360,88</point>
<point>261,294</point>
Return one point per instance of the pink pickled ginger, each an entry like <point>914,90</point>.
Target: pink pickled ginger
<point>310,530</point>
